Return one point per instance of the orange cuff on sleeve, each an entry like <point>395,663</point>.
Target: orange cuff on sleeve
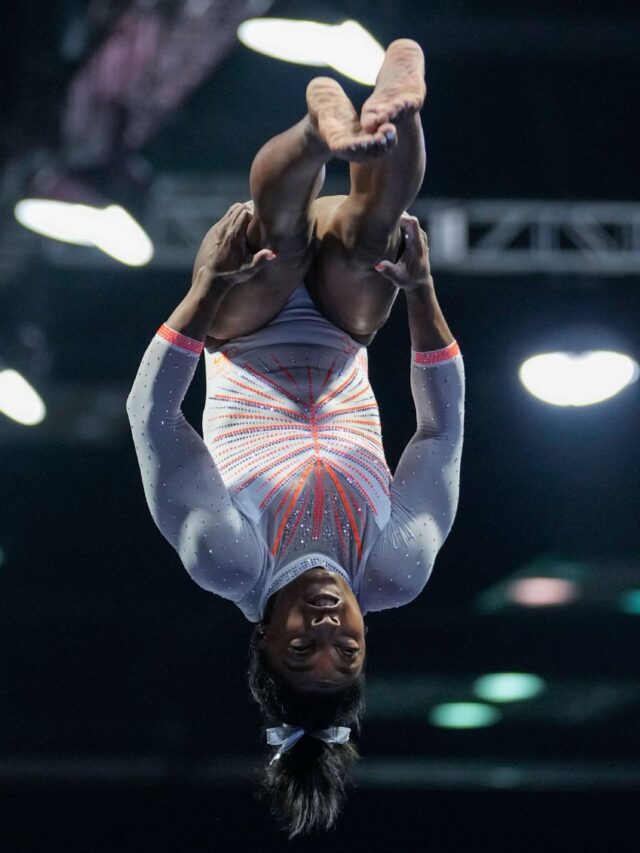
<point>180,341</point>
<point>437,356</point>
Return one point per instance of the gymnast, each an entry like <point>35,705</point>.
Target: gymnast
<point>286,506</point>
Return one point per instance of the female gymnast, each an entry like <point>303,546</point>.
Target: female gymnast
<point>287,507</point>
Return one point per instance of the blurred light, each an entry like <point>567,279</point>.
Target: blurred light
<point>629,601</point>
<point>355,53</point>
<point>110,229</point>
<point>70,223</point>
<point>542,592</point>
<point>577,379</point>
<point>508,686</point>
<point>302,42</point>
<point>464,715</point>
<point>120,236</point>
<point>347,47</point>
<point>18,400</point>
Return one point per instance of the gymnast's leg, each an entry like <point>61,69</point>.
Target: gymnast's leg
<point>285,178</point>
<point>356,231</point>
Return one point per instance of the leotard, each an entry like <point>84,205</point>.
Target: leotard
<point>290,473</point>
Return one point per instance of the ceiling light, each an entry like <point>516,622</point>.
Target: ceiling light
<point>508,686</point>
<point>59,220</point>
<point>119,235</point>
<point>347,47</point>
<point>110,229</point>
<point>542,592</point>
<point>577,379</point>
<point>354,52</point>
<point>19,400</point>
<point>464,715</point>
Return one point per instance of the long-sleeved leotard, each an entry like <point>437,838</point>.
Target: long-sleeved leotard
<point>291,473</point>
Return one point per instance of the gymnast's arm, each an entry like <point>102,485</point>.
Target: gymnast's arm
<point>424,492</point>
<point>186,495</point>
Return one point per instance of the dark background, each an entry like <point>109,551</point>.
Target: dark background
<point>124,717</point>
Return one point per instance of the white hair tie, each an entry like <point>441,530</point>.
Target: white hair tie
<point>286,736</point>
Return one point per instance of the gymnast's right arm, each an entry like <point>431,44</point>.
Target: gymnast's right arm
<point>186,495</point>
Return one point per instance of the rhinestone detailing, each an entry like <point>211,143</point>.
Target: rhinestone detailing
<point>292,474</point>
<point>437,356</point>
<point>290,573</point>
<point>181,341</point>
<point>296,436</point>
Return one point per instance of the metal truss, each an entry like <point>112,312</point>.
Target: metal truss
<point>511,237</point>
<point>475,237</point>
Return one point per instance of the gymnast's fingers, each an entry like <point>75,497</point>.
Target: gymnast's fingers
<point>394,272</point>
<point>411,228</point>
<point>247,271</point>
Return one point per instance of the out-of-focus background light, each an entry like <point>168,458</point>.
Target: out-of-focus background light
<point>508,686</point>
<point>19,400</point>
<point>58,220</point>
<point>346,47</point>
<point>577,379</point>
<point>542,592</point>
<point>111,229</point>
<point>118,235</point>
<point>464,715</point>
<point>629,601</point>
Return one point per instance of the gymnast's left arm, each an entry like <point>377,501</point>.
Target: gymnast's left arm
<point>424,492</point>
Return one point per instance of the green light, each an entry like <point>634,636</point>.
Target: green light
<point>629,601</point>
<point>464,715</point>
<point>508,686</point>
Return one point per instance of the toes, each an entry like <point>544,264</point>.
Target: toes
<point>370,119</point>
<point>361,150</point>
<point>388,130</point>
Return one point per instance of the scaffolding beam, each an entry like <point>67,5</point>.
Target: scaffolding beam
<point>472,237</point>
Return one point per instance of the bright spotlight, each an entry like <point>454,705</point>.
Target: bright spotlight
<point>464,715</point>
<point>355,53</point>
<point>110,229</point>
<point>119,235</point>
<point>577,379</point>
<point>59,220</point>
<point>19,400</point>
<point>302,42</point>
<point>347,47</point>
<point>508,686</point>
<point>542,592</point>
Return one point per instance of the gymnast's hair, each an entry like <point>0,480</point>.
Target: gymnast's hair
<point>305,787</point>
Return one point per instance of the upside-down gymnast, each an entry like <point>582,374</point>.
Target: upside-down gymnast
<point>287,507</point>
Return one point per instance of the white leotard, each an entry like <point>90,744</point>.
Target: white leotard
<point>291,473</point>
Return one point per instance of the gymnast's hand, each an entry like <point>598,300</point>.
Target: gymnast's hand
<point>412,269</point>
<point>225,258</point>
<point>223,261</point>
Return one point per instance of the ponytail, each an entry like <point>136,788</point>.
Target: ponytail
<point>306,786</point>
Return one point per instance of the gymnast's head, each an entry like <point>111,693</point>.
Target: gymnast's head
<point>307,670</point>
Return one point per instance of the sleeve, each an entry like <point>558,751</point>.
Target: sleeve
<point>187,497</point>
<point>424,491</point>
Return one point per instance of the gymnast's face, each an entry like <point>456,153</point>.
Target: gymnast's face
<point>315,635</point>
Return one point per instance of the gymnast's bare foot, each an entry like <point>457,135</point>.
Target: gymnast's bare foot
<point>400,88</point>
<point>336,122</point>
